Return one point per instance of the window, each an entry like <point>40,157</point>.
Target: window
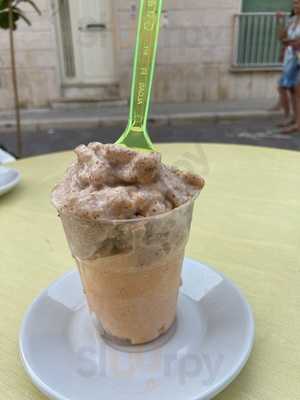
<point>256,45</point>
<point>266,5</point>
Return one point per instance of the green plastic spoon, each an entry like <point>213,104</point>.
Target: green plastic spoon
<point>136,135</point>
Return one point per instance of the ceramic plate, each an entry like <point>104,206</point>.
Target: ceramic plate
<point>66,360</point>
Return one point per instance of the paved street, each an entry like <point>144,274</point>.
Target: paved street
<point>248,131</point>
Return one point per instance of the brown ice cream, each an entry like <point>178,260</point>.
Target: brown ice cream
<point>127,219</point>
<point>113,182</point>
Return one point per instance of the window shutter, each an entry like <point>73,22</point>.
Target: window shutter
<point>267,5</point>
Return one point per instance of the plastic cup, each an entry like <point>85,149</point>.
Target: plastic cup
<point>131,271</point>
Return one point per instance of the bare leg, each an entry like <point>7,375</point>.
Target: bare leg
<point>284,101</point>
<point>297,104</point>
<point>289,124</point>
<point>295,99</point>
<point>294,103</point>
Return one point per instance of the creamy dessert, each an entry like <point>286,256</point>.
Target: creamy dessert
<point>127,219</point>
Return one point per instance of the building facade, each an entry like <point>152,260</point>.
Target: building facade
<point>81,50</point>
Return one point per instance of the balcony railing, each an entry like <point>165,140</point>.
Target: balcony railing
<point>256,45</point>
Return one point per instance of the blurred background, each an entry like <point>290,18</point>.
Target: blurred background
<point>217,72</point>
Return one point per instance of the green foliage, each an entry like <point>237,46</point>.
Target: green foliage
<point>3,4</point>
<point>16,11</point>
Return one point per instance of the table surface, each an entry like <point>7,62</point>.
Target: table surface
<point>246,224</point>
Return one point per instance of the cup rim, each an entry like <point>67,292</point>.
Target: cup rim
<point>134,220</point>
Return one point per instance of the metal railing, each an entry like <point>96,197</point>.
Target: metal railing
<point>256,44</point>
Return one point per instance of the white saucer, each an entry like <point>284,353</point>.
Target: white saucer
<point>9,178</point>
<point>67,361</point>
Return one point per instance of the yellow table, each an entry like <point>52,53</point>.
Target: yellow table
<point>246,224</point>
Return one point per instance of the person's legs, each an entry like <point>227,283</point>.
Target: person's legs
<point>295,100</point>
<point>297,105</point>
<point>284,101</point>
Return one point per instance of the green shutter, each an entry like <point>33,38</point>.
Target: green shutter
<point>267,5</point>
<point>258,44</point>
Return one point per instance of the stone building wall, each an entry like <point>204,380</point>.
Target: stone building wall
<point>36,58</point>
<point>194,57</point>
<point>195,54</point>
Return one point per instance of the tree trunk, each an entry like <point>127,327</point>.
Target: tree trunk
<point>15,81</point>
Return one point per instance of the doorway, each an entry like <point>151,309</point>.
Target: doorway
<point>86,42</point>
